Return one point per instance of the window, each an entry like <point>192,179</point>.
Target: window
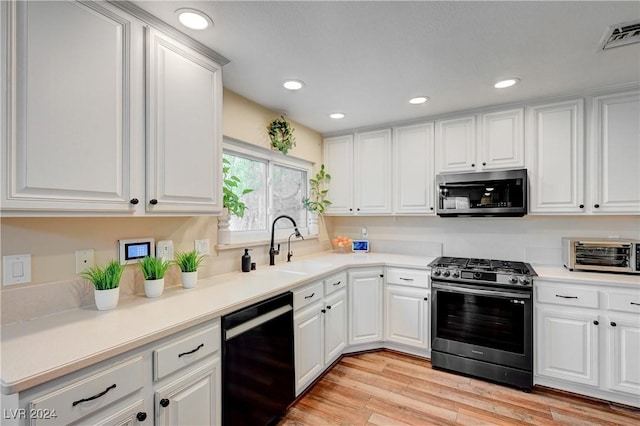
<point>279,186</point>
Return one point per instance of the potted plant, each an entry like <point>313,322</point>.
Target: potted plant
<point>106,283</point>
<point>189,262</point>
<point>231,203</point>
<point>281,135</point>
<point>153,270</point>
<point>317,203</point>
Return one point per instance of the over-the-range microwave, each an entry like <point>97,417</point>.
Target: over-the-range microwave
<point>495,193</point>
<point>601,254</point>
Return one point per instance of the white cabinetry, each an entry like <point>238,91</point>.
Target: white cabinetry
<point>615,184</point>
<point>360,173</point>
<point>309,344</point>
<point>587,340</point>
<point>500,146</point>
<point>74,139</point>
<point>413,169</point>
<point>555,157</point>
<point>407,310</point>
<point>365,306</point>
<point>184,127</point>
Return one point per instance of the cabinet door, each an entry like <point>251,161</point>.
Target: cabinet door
<point>70,129</point>
<point>502,142</point>
<point>566,345</point>
<point>555,157</point>
<point>308,341</point>
<point>616,150</point>
<point>624,346</point>
<point>184,128</point>
<point>372,168</point>
<point>335,325</point>
<point>194,399</point>
<point>456,145</point>
<point>365,307</point>
<point>131,414</point>
<point>338,159</point>
<point>413,170</point>
<point>406,316</point>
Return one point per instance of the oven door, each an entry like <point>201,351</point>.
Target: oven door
<point>490,324</point>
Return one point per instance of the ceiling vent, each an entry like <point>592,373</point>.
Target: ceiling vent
<point>621,34</point>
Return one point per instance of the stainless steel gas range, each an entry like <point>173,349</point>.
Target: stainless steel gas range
<point>482,319</point>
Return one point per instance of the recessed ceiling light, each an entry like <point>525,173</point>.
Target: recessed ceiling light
<point>418,100</point>
<point>193,19</point>
<point>336,115</point>
<point>293,84</point>
<point>506,83</point>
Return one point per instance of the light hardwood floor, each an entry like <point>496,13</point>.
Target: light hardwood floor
<point>389,388</point>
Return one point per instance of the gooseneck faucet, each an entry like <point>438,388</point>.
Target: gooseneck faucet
<point>272,250</point>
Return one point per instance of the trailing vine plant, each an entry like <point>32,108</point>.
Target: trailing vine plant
<point>317,192</point>
<point>281,135</point>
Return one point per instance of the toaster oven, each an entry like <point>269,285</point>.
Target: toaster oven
<point>604,255</point>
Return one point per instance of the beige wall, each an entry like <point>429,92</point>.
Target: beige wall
<point>52,241</point>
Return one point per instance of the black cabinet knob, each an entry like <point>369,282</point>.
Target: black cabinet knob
<point>381,275</point>
<point>153,201</point>
<point>484,164</point>
<point>164,402</point>
<point>323,311</point>
<point>358,209</point>
<point>329,307</point>
<point>430,208</point>
<point>613,324</point>
<point>595,322</point>
<point>596,206</point>
<point>581,206</point>
<point>426,299</point>
<point>350,210</point>
<point>473,164</point>
<point>134,201</point>
<point>141,416</point>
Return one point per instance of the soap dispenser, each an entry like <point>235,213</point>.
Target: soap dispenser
<point>246,261</point>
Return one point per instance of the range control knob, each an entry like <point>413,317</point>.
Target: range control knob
<point>455,274</point>
<point>436,273</point>
<point>524,280</point>
<point>445,273</point>
<point>513,280</point>
<point>477,275</point>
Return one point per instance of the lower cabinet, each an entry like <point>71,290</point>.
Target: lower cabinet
<point>365,306</point>
<point>587,340</point>
<point>407,316</point>
<point>309,344</point>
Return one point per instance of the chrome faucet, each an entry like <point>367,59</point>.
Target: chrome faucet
<point>272,251</point>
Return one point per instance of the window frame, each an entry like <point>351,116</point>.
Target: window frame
<point>271,158</point>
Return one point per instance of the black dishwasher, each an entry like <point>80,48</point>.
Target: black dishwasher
<point>258,378</point>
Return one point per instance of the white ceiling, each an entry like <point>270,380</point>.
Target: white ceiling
<point>366,59</point>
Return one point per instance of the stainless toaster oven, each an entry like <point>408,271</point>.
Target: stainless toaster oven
<point>605,255</point>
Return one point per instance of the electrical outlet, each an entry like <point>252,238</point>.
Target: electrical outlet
<point>84,260</point>
<point>364,232</point>
<point>164,249</point>
<point>202,246</point>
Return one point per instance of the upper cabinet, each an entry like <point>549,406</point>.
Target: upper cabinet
<point>360,171</point>
<point>413,183</point>
<point>615,151</point>
<point>500,144</point>
<point>75,141</point>
<point>184,128</point>
<point>555,157</point>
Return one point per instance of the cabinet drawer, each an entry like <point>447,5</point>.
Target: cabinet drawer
<point>408,277</point>
<point>88,395</point>
<point>307,295</point>
<point>624,302</point>
<point>185,351</point>
<point>566,295</point>
<point>335,282</point>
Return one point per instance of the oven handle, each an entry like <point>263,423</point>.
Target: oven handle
<point>455,289</point>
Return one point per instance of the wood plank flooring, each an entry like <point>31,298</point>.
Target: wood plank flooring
<point>387,388</point>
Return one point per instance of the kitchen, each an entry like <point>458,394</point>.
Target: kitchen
<point>535,238</point>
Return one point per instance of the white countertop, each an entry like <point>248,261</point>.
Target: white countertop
<point>36,351</point>
<point>39,350</point>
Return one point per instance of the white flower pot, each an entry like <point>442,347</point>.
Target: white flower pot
<point>312,223</point>
<point>224,232</point>
<point>106,299</point>
<point>189,279</point>
<point>154,288</point>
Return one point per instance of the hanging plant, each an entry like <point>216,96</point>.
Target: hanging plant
<point>281,135</point>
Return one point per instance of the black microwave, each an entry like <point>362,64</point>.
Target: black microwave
<point>495,193</point>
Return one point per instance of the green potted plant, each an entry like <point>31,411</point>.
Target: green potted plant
<point>106,283</point>
<point>231,203</point>
<point>281,135</point>
<point>317,203</point>
<point>153,270</point>
<point>189,262</point>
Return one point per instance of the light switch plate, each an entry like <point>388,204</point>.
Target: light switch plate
<point>84,260</point>
<point>16,269</point>
<point>202,246</point>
